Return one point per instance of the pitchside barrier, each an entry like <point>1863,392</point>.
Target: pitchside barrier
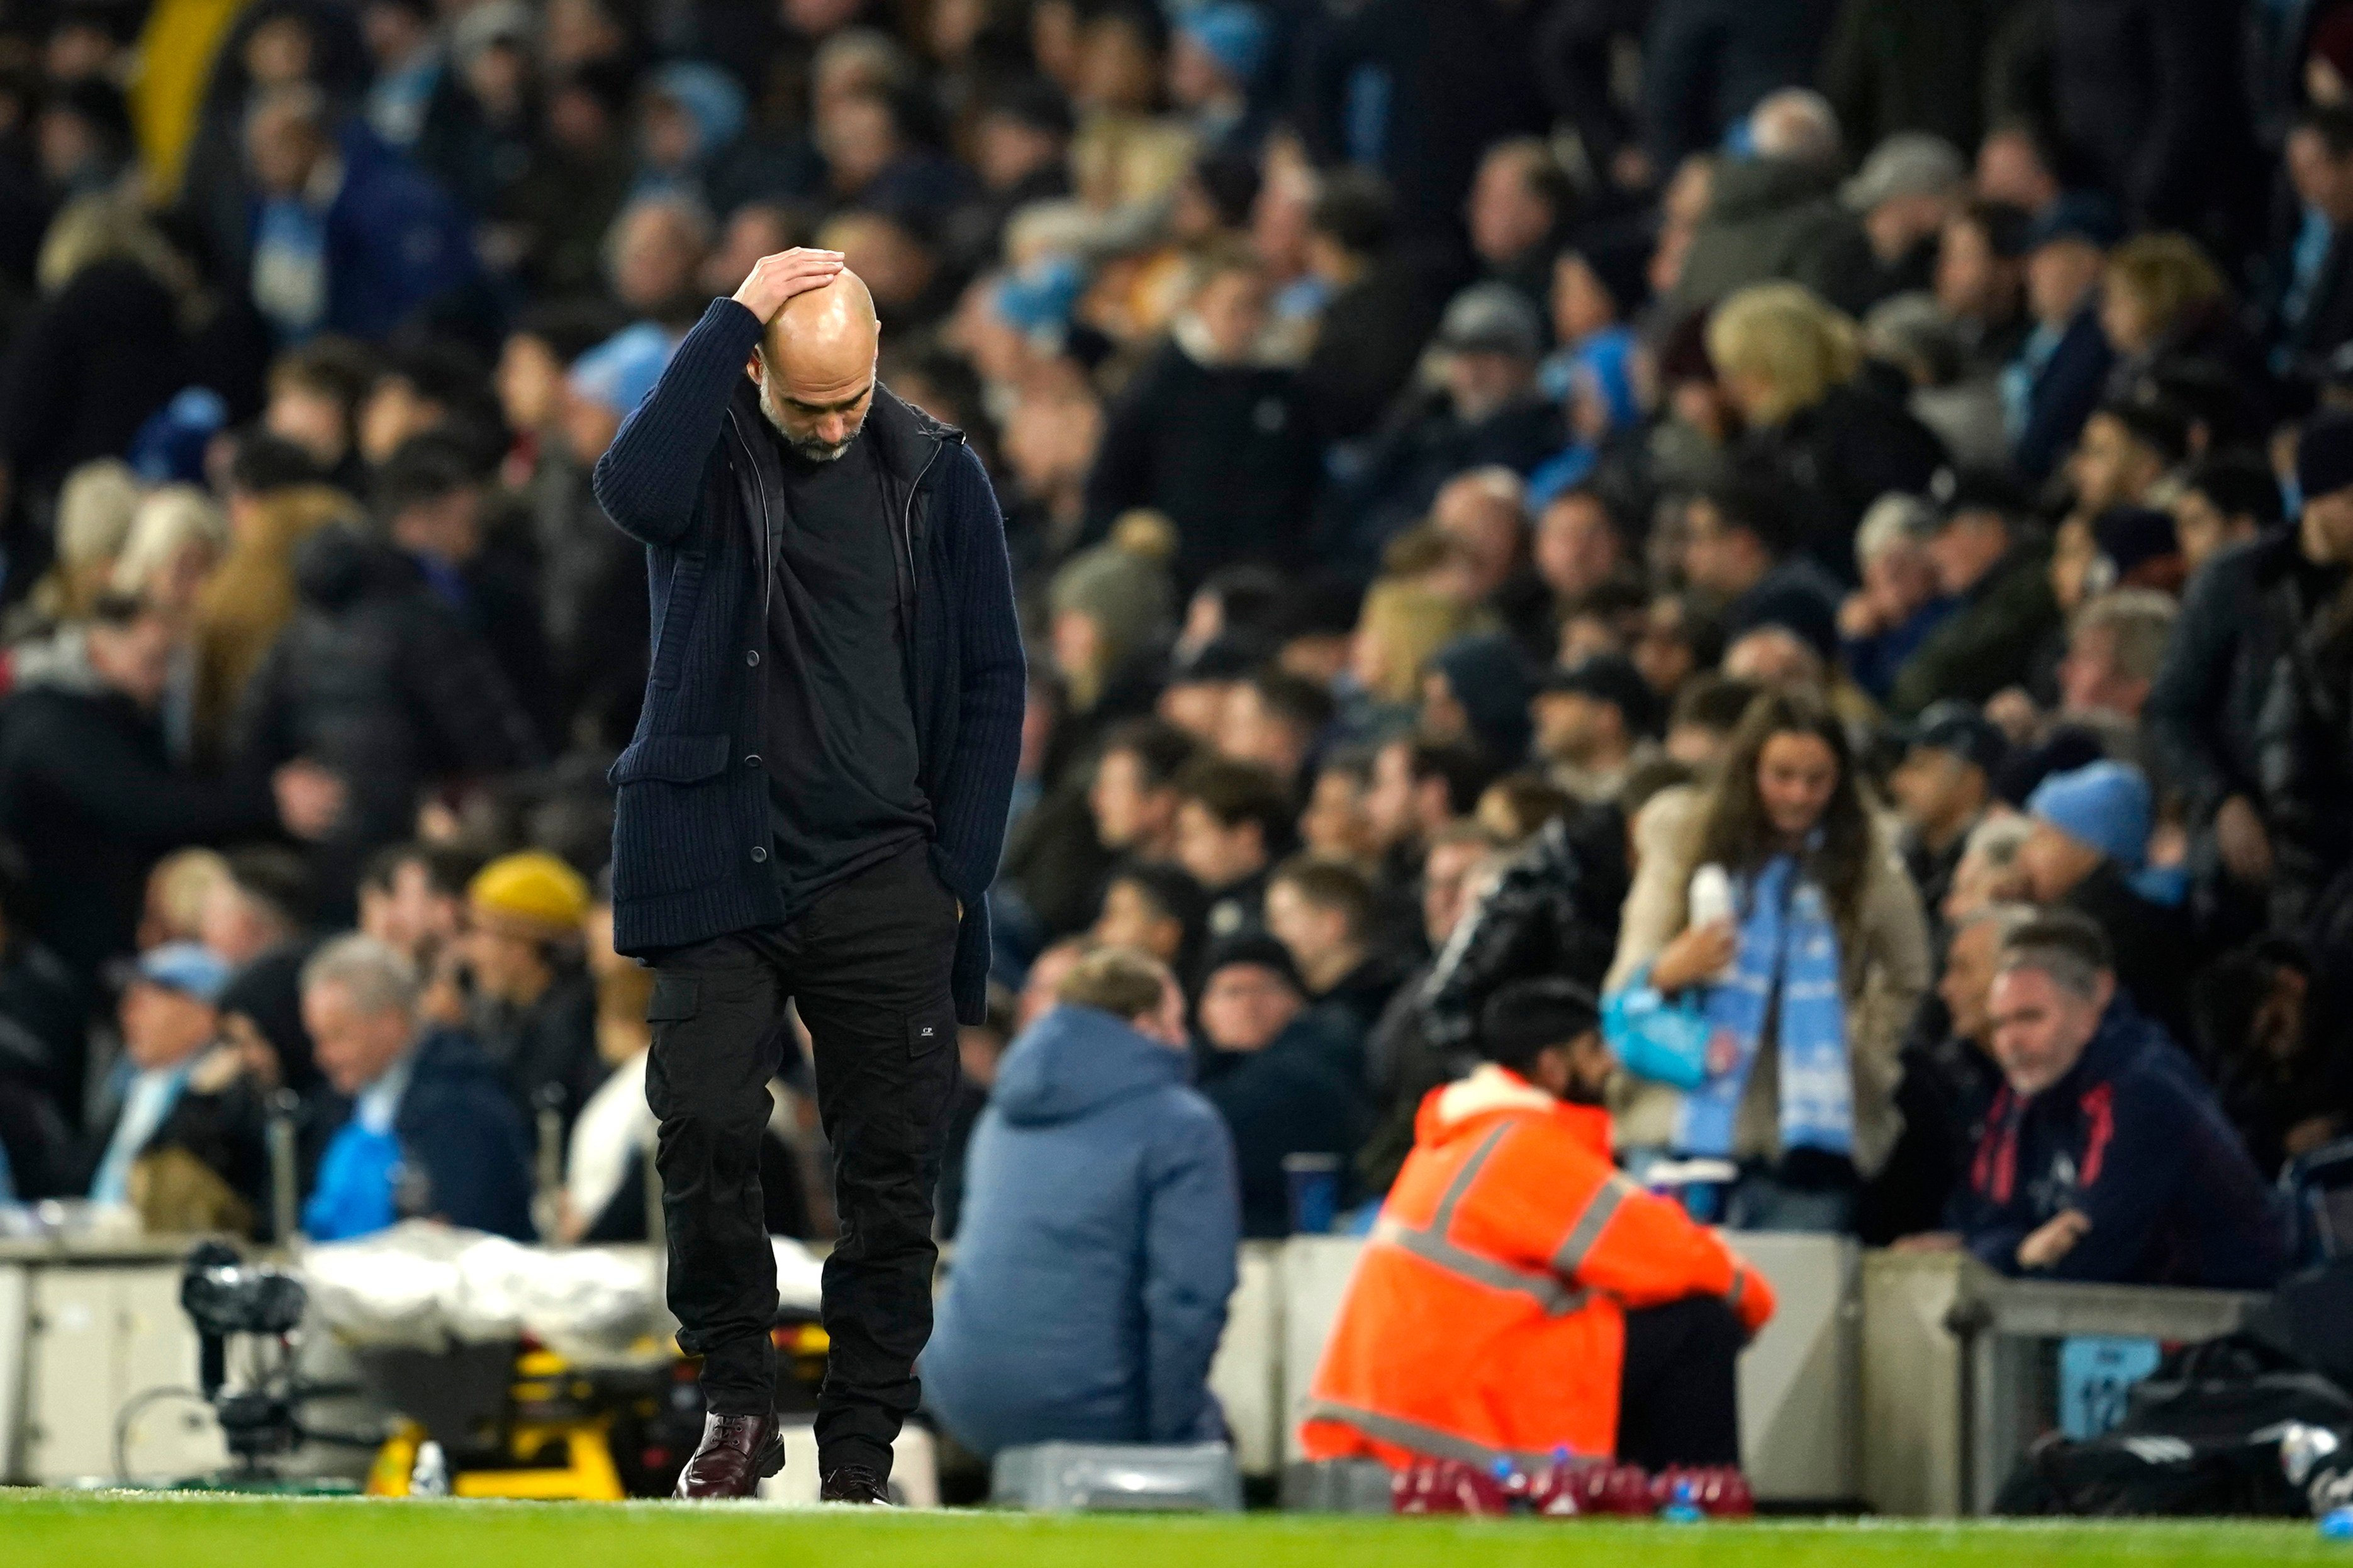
<point>1963,1369</point>
<point>1905,1382</point>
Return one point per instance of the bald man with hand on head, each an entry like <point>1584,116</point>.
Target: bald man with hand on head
<point>811,812</point>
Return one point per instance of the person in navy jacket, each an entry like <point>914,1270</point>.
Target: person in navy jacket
<point>2055,383</point>
<point>343,235</point>
<point>430,1132</point>
<point>2104,1157</point>
<point>810,813</point>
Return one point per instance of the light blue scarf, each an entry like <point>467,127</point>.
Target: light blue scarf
<point>145,1104</point>
<point>289,266</point>
<point>2016,382</point>
<point>1788,949</point>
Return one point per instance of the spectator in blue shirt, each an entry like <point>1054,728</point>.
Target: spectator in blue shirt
<point>346,237</point>
<point>431,1134</point>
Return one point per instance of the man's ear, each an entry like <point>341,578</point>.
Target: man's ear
<point>752,367</point>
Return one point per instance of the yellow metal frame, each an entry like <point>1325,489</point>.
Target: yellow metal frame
<point>395,1461</point>
<point>587,1475</point>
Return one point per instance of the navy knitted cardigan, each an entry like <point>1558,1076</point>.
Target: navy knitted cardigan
<point>691,476</point>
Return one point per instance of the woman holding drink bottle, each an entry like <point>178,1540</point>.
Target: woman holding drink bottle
<point>1770,956</point>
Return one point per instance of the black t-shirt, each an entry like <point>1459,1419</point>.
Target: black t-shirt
<point>838,728</point>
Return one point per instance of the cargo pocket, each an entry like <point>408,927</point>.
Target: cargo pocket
<point>927,1032</point>
<point>676,999</point>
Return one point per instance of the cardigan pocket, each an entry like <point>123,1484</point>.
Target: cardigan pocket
<point>672,759</point>
<point>673,811</point>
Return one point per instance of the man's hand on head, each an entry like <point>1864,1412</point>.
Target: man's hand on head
<point>775,279</point>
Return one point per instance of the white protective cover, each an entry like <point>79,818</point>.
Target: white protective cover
<point>424,1284</point>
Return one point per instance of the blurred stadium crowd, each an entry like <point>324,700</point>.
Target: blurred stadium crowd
<point>1469,468</point>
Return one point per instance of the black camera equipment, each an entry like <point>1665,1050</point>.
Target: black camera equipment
<point>223,1295</point>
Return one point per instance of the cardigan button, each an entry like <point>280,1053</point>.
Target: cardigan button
<point>752,761</point>
<point>759,852</point>
<point>750,656</point>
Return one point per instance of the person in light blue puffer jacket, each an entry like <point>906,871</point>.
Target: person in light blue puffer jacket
<point>1102,1218</point>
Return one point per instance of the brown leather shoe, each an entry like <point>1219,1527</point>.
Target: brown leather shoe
<point>737,1452</point>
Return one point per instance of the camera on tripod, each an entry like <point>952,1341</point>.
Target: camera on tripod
<point>223,1295</point>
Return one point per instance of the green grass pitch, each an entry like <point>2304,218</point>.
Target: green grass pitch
<point>100,1530</point>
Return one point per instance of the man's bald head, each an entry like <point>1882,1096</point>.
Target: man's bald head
<point>814,366</point>
<point>825,334</point>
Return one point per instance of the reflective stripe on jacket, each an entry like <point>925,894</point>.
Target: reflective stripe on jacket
<point>1486,1316</point>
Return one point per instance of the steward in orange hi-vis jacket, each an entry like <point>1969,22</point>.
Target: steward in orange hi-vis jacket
<point>1518,1293</point>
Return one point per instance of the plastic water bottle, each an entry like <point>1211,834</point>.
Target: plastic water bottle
<point>1709,901</point>
<point>1514,1485</point>
<point>1436,1486</point>
<point>429,1477</point>
<point>1682,1507</point>
<point>1607,1488</point>
<point>2337,1524</point>
<point>1415,1489</point>
<point>1481,1491</point>
<point>1553,1494</point>
<point>2303,1447</point>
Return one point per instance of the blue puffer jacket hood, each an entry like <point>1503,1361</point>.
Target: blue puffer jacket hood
<point>1074,1061</point>
<point>1097,1251</point>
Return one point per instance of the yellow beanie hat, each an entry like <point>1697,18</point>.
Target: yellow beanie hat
<point>533,886</point>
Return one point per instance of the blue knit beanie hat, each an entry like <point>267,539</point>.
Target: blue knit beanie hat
<point>619,371</point>
<point>2105,805</point>
<point>711,97</point>
<point>1235,35</point>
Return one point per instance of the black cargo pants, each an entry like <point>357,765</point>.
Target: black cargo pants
<point>868,964</point>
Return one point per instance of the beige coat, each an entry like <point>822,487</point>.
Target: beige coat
<point>1885,963</point>
<point>248,601</point>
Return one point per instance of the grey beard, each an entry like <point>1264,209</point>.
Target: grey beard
<point>811,451</point>
<point>817,451</point>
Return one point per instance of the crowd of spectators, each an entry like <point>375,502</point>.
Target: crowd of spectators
<point>1828,526</point>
